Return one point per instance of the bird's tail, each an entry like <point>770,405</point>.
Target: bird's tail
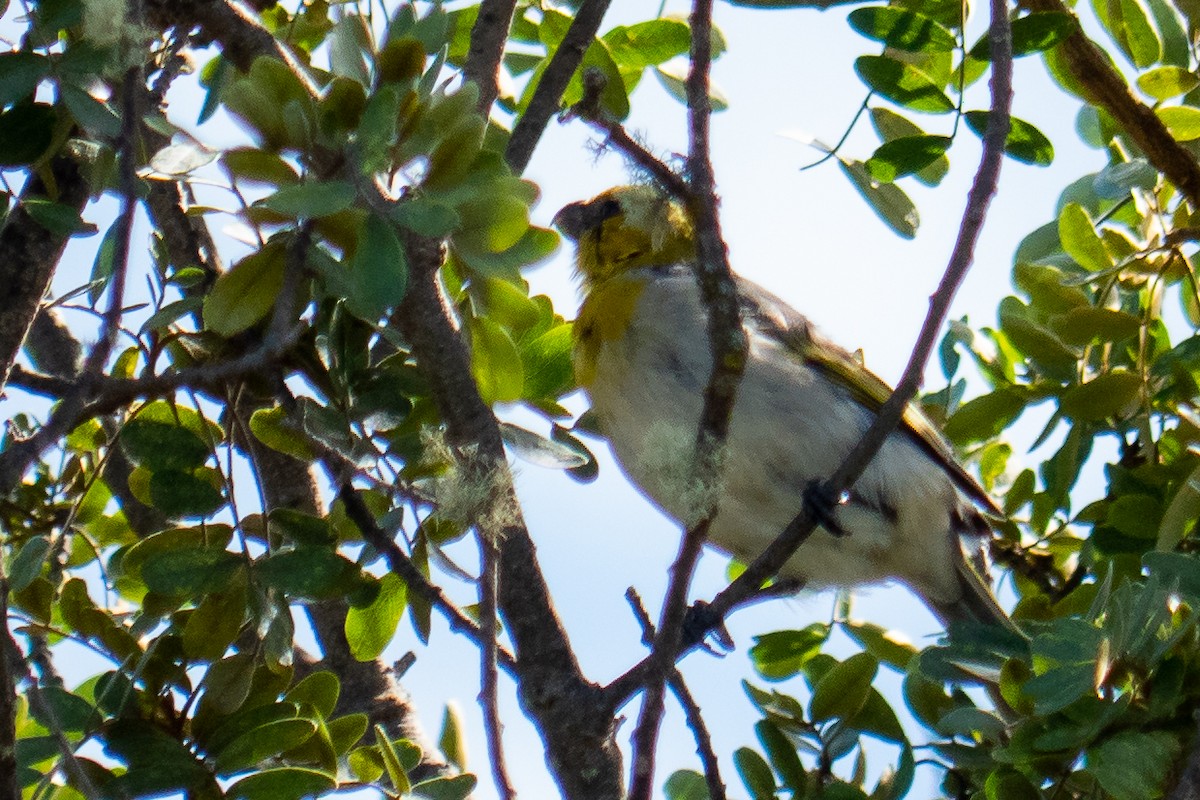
<point>976,602</point>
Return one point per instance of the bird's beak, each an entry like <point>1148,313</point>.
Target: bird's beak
<point>571,220</point>
<point>579,218</point>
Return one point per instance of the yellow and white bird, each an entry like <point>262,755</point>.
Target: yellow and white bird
<point>642,355</point>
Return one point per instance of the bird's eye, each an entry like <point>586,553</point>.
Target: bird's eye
<point>609,209</point>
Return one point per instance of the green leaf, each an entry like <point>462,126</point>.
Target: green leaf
<point>272,427</point>
<point>1115,181</point>
<point>890,125</point>
<point>755,774</point>
<point>905,156</point>
<point>1025,143</point>
<point>1128,22</point>
<point>890,647</point>
<point>59,219</point>
<point>648,44</point>
<point>1086,324</point>
<point>369,630</point>
<point>843,690</point>
<point>495,361</point>
<point>26,132</point>
<point>902,29</point>
<point>1031,33</point>
<point>1164,83</point>
<point>1135,515</point>
<point>259,166</point>
<point>1080,240</point>
<point>457,787</point>
<point>674,80</point>
<point>1134,765</point>
<point>158,763</point>
<point>685,784</point>
<point>1183,122</point>
<point>226,686</point>
<point>319,691</point>
<point>318,573</point>
<point>310,200</point>
<point>177,493</point>
<point>549,367</point>
<point>888,201</point>
<point>378,270</point>
<point>160,445</point>
<point>20,74</point>
<point>783,757</point>
<point>903,84</point>
<point>258,745</point>
<point>985,417</point>
<point>426,217</point>
<point>782,654</point>
<point>212,627</point>
<point>27,563</point>
<point>391,761</point>
<point>347,731</point>
<point>1008,784</point>
<point>452,742</point>
<point>191,571</point>
<point>242,296</point>
<point>1108,395</point>
<point>283,783</point>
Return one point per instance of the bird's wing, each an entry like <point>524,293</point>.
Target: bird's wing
<point>777,320</point>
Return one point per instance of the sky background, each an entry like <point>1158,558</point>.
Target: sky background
<point>805,235</point>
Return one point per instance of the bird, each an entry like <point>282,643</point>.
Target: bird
<point>641,355</point>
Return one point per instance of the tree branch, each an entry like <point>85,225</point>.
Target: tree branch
<point>488,37</point>
<point>547,97</point>
<point>728,346</point>
<point>20,456</point>
<point>29,254</point>
<point>1106,88</point>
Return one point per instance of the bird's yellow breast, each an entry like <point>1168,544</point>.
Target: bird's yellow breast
<point>604,318</point>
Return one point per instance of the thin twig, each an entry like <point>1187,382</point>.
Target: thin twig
<point>488,37</point>
<point>888,418</point>
<point>748,585</point>
<point>728,346</point>
<point>399,563</point>
<point>554,81</point>
<point>691,709</point>
<point>489,679</point>
<point>17,666</point>
<point>589,110</point>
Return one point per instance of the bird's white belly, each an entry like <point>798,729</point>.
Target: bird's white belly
<point>791,427</point>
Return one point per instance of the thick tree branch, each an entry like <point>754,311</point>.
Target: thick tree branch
<point>574,719</point>
<point>488,37</point>
<point>1106,88</point>
<point>547,97</point>
<point>29,253</point>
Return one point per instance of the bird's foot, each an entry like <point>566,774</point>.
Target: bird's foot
<point>700,623</point>
<point>823,506</point>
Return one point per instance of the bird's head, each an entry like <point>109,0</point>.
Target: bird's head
<point>626,228</point>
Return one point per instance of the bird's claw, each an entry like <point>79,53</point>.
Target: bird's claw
<point>700,623</point>
<point>823,507</point>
